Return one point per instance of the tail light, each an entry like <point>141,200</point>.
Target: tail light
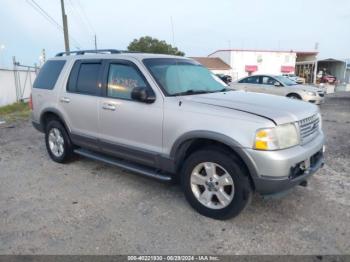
<point>30,102</point>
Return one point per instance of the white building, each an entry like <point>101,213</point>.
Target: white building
<point>247,62</point>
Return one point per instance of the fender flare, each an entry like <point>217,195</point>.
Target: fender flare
<point>226,140</point>
<point>56,112</point>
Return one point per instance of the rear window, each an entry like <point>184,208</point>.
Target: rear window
<point>49,74</point>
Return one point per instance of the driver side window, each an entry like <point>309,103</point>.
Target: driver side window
<point>122,79</point>
<point>266,80</point>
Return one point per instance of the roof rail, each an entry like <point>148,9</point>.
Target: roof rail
<point>94,51</point>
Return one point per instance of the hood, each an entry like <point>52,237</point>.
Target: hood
<point>278,109</point>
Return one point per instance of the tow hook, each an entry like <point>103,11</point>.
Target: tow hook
<point>303,183</point>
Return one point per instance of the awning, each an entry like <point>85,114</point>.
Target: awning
<point>287,69</point>
<point>251,68</point>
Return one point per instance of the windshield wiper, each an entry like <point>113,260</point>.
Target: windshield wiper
<point>191,92</point>
<point>196,92</point>
<point>225,90</point>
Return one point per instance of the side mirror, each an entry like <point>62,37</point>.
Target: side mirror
<point>143,94</point>
<point>277,84</point>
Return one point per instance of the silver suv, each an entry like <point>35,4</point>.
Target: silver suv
<point>169,118</point>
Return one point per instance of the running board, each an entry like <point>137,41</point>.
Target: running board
<point>146,171</point>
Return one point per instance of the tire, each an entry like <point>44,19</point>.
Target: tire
<point>294,96</point>
<point>57,137</point>
<point>225,163</point>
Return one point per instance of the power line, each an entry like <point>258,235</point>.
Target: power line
<point>86,17</point>
<point>49,18</point>
<point>45,15</point>
<point>82,21</point>
<point>54,21</point>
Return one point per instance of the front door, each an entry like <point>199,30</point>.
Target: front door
<point>129,129</point>
<point>271,86</point>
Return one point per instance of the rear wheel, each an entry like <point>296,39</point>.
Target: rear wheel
<point>215,184</point>
<point>58,144</point>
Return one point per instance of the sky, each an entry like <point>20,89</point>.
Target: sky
<point>196,27</point>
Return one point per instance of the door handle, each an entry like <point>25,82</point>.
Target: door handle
<point>109,107</point>
<point>65,99</point>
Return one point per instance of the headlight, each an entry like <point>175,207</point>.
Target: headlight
<point>275,138</point>
<point>311,93</point>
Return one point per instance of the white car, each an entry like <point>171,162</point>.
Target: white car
<point>281,86</point>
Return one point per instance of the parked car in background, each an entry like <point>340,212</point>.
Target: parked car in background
<point>295,78</point>
<point>168,117</point>
<point>280,85</point>
<point>323,77</point>
<point>226,78</point>
<point>328,79</point>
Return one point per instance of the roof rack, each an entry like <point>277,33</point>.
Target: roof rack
<point>94,51</point>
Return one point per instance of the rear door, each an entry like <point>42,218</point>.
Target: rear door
<point>79,101</point>
<point>129,129</point>
<point>252,84</point>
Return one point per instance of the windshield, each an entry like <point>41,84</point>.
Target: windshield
<point>286,81</point>
<point>183,77</point>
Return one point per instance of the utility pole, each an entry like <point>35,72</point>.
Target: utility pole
<point>95,39</point>
<point>315,64</point>
<point>65,27</point>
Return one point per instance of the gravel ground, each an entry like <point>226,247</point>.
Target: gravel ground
<point>87,207</point>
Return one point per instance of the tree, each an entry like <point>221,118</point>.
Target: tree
<point>147,44</point>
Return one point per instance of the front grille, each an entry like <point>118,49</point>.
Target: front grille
<point>308,128</point>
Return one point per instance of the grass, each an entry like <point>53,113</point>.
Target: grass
<point>14,112</point>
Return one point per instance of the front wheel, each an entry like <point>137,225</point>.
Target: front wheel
<point>294,96</point>
<point>215,184</point>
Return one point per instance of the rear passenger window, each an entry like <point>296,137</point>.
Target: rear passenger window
<point>250,80</point>
<point>49,74</point>
<point>84,78</point>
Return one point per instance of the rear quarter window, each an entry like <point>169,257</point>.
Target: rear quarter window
<point>49,74</point>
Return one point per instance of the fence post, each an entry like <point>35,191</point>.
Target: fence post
<point>15,76</point>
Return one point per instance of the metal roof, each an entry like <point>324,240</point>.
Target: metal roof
<point>266,50</point>
<point>213,63</point>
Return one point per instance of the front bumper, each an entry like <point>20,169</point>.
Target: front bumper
<point>278,171</point>
<point>317,100</point>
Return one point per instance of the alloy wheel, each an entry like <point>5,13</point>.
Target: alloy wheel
<point>212,185</point>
